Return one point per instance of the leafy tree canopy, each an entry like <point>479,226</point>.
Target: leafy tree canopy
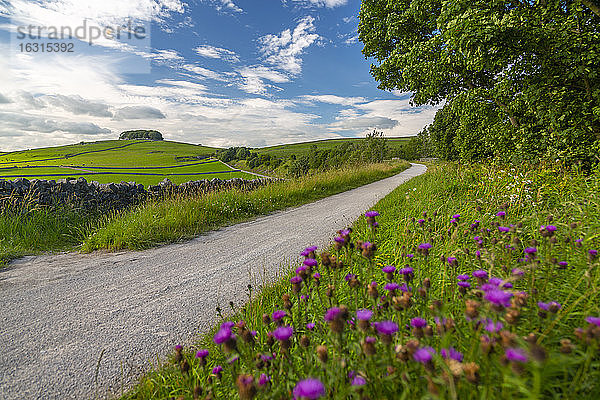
<point>514,79</point>
<point>141,134</point>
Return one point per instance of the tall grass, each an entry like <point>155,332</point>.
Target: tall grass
<point>452,341</point>
<point>179,218</point>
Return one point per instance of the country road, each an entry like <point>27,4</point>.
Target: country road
<point>58,313</point>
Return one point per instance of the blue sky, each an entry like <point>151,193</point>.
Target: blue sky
<point>216,72</point>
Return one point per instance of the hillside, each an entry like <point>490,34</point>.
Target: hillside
<point>302,148</point>
<point>145,162</point>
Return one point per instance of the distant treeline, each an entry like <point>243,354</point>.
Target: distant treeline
<point>141,134</point>
<point>374,148</point>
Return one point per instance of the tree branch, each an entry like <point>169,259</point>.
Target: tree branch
<point>592,6</point>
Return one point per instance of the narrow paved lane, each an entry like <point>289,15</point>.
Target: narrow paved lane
<point>59,313</point>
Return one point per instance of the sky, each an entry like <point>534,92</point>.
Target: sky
<point>213,72</point>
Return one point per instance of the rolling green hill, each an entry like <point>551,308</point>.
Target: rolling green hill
<point>141,161</point>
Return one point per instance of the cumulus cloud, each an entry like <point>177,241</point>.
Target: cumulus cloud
<point>363,123</point>
<point>284,50</point>
<point>35,123</point>
<point>217,52</point>
<point>78,105</point>
<point>253,79</point>
<point>334,99</point>
<point>138,112</point>
<point>203,73</point>
<point>226,5</point>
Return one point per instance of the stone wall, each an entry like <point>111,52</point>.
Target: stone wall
<point>80,193</point>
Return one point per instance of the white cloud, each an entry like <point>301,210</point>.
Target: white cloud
<point>226,5</point>
<point>363,123</point>
<point>77,105</point>
<point>253,79</point>
<point>138,112</point>
<point>203,73</point>
<point>322,3</point>
<point>4,99</point>
<point>34,123</point>
<point>334,99</point>
<point>284,50</point>
<point>217,52</point>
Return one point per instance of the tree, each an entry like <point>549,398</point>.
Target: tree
<point>141,134</point>
<point>515,78</point>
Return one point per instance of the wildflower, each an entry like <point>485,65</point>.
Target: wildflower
<point>418,322</point>
<point>530,252</point>
<point>322,353</point>
<point>310,326</point>
<point>278,315</point>
<point>232,360</point>
<point>309,389</point>
<point>386,329</point>
<point>563,264</point>
<point>371,214</point>
<point>463,286</point>
<point>202,353</point>
<point>178,355</point>
<point>456,216</point>
<point>424,355</point>
<point>309,252</point>
<point>368,345</point>
<point>452,354</point>
<point>332,314</point>
<point>503,229</point>
<point>364,314</point>
<point>421,222</point>
<point>310,262</point>
<point>593,320</point>
<point>552,306</point>
<point>389,270</point>
<point>358,381</point>
<point>480,274</point>
<point>424,248</point>
<point>491,326</point>
<point>391,286</point>
<point>517,272</point>
<point>501,214</point>
<point>335,319</point>
<point>516,354</point>
<point>463,277</point>
<point>217,371</point>
<point>296,282</point>
<point>263,379</point>
<point>225,336</point>
<point>592,254</point>
<point>283,333</point>
<point>407,273</point>
<point>498,298</point>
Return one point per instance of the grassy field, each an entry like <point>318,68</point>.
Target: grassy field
<point>183,218</point>
<point>483,283</point>
<point>32,230</point>
<point>300,149</point>
<point>144,162</point>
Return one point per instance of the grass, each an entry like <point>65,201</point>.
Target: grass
<point>30,229</point>
<point>503,339</point>
<point>179,218</point>
<point>118,160</point>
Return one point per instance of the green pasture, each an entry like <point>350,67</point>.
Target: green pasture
<point>300,149</point>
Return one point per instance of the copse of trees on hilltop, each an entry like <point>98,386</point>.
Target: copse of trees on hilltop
<point>147,134</point>
<point>374,148</point>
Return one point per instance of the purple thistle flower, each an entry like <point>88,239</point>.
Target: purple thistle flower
<point>224,334</point>
<point>391,286</point>
<point>480,274</point>
<point>504,229</point>
<point>550,305</point>
<point>424,355</point>
<point>295,279</point>
<point>301,268</point>
<point>233,359</point>
<point>202,354</point>
<point>357,380</point>
<point>452,354</point>
<point>306,252</point>
<point>370,339</point>
<point>478,254</point>
<point>463,277</point>
<point>349,277</point>
<point>421,221</point>
<point>456,216</point>
<point>332,314</point>
<point>517,272</point>
<point>418,322</point>
<point>563,264</point>
<point>283,333</point>
<point>317,275</point>
<point>593,253</point>
<point>501,214</point>
<point>425,246</point>
<point>310,262</point>
<point>530,251</point>
<point>339,239</point>
<point>266,357</point>
<point>304,297</point>
<point>507,285</point>
<point>217,370</point>
<point>277,315</point>
<point>405,288</point>
<point>492,326</point>
<point>495,281</point>
<point>388,269</point>
<point>371,214</point>
<point>593,320</point>
<point>364,314</point>
<point>178,348</point>
<point>263,380</point>
<point>310,326</point>
<point>309,389</point>
<point>516,354</point>
<point>406,271</point>
<point>410,256</point>
<point>498,297</point>
<point>550,228</point>
<point>464,284</point>
<point>386,327</point>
